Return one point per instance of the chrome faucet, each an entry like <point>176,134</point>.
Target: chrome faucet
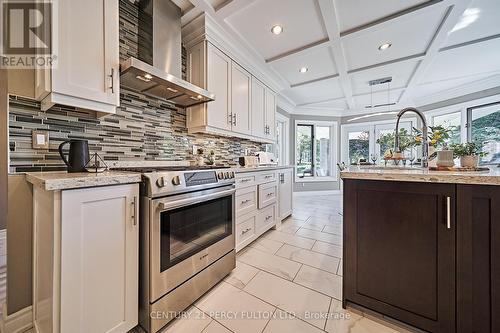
<point>425,140</point>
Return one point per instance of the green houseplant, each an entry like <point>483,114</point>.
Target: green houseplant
<point>469,153</point>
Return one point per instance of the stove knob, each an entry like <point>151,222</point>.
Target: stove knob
<point>160,182</point>
<point>227,175</point>
<point>220,175</point>
<point>176,180</point>
<point>231,174</point>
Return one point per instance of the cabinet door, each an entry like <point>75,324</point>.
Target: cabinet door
<point>99,259</point>
<point>241,82</point>
<point>399,253</point>
<point>219,79</point>
<point>87,69</point>
<point>478,258</point>
<point>285,193</point>
<point>258,108</point>
<point>271,114</point>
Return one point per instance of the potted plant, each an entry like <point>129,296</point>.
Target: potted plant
<point>469,153</point>
<point>211,158</point>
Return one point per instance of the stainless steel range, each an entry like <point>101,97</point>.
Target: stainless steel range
<point>186,236</point>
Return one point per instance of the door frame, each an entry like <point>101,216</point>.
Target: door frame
<point>285,137</point>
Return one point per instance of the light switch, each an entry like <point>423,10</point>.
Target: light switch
<point>40,139</point>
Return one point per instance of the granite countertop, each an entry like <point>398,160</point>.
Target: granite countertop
<point>261,168</point>
<point>491,177</point>
<point>60,180</point>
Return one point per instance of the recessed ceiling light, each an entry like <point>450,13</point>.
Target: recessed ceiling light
<point>384,46</point>
<point>277,29</point>
<point>303,69</point>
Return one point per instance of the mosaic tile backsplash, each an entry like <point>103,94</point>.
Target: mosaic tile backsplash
<point>142,128</point>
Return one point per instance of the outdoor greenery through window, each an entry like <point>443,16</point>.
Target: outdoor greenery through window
<point>484,128</point>
<point>452,122</point>
<point>359,146</point>
<point>314,151</point>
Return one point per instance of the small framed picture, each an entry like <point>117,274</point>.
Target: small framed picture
<point>40,139</point>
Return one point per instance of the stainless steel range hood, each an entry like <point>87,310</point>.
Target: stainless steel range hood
<point>157,72</point>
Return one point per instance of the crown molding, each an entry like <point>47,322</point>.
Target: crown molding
<point>204,27</point>
<point>286,104</point>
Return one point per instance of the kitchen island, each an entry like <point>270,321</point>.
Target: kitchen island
<point>423,247</point>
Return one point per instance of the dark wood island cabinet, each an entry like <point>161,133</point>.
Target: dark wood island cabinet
<point>424,253</point>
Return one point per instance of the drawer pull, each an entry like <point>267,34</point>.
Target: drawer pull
<point>270,194</point>
<point>268,217</point>
<point>245,180</point>
<point>245,201</point>
<point>448,212</point>
<point>269,176</point>
<point>246,230</point>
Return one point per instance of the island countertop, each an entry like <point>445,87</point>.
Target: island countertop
<point>59,180</point>
<point>491,177</point>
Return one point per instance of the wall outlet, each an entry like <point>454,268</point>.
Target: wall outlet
<point>195,150</point>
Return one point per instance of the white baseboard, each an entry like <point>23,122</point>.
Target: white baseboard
<point>309,193</point>
<point>18,322</point>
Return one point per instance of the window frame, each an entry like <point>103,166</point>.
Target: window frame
<point>333,150</point>
<point>468,124</point>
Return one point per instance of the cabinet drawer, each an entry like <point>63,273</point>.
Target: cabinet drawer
<point>245,231</point>
<point>266,218</point>
<point>245,181</point>
<point>266,177</point>
<point>246,200</point>
<point>267,194</point>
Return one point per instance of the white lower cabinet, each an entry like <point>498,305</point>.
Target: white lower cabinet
<point>86,260</point>
<point>285,193</point>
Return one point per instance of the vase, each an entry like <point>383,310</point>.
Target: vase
<point>200,161</point>
<point>445,158</point>
<point>432,159</point>
<point>469,161</point>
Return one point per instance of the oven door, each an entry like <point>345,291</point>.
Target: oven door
<point>188,233</point>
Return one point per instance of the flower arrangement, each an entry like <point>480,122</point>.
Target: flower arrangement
<point>386,141</point>
<point>438,135</point>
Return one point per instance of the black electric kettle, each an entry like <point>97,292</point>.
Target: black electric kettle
<point>78,155</point>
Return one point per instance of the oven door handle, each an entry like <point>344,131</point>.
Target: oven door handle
<point>167,205</point>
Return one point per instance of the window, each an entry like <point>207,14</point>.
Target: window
<point>359,146</point>
<point>451,121</point>
<point>484,128</point>
<point>315,150</point>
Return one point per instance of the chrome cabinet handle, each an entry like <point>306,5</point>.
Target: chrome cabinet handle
<point>270,194</point>
<point>246,230</point>
<point>245,180</point>
<point>268,217</point>
<point>167,205</point>
<point>234,119</point>
<point>230,119</point>
<point>448,212</point>
<point>134,214</point>
<point>245,201</point>
<point>112,76</point>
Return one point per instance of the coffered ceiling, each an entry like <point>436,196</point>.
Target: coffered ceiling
<point>436,47</point>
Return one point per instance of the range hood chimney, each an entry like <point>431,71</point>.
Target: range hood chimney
<point>158,70</point>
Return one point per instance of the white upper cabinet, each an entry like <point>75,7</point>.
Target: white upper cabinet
<point>258,108</point>
<point>243,106</point>
<point>86,74</point>
<point>241,82</point>
<point>270,122</point>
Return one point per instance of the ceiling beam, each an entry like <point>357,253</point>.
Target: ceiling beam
<point>229,8</point>
<point>452,16</point>
<point>301,51</point>
<point>330,18</point>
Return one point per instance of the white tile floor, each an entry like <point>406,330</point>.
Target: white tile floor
<point>289,281</point>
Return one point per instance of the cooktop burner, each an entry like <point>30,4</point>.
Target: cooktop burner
<point>171,168</point>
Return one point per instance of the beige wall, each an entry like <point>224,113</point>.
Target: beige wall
<point>19,244</point>
<point>3,148</point>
